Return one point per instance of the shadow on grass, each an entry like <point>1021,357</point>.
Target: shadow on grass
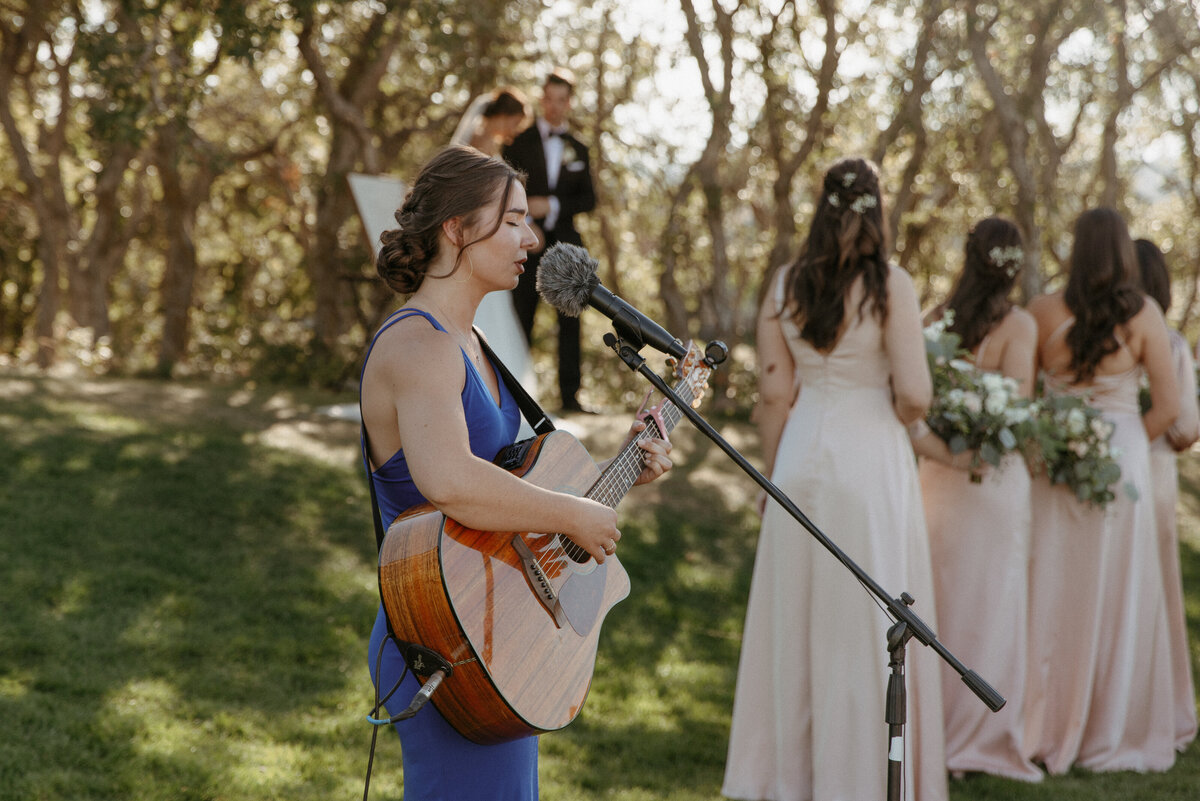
<point>165,589</point>
<point>663,690</point>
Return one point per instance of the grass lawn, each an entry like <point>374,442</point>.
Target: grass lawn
<point>187,583</point>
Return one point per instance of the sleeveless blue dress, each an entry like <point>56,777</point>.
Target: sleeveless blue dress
<point>439,763</point>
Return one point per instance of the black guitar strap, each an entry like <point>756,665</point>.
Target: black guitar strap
<point>539,421</point>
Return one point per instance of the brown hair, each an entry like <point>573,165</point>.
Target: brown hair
<point>992,259</point>
<point>506,102</point>
<point>1156,280</point>
<point>458,182</point>
<point>1102,288</point>
<point>848,238</point>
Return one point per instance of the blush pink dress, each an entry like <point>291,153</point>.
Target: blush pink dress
<point>979,541</point>
<point>808,714</point>
<point>1099,679</point>
<point>1165,478</point>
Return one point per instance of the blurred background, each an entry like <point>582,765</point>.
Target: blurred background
<point>173,175</point>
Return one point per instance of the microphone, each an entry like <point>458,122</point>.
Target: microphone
<point>567,280</point>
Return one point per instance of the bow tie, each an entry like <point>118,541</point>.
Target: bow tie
<point>559,134</point>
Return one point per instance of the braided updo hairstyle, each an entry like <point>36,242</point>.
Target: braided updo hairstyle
<point>1102,288</point>
<point>458,182</point>
<point>992,259</point>
<point>848,238</point>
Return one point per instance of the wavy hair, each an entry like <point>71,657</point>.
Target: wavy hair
<point>458,182</point>
<point>1102,288</point>
<point>992,260</point>
<point>848,238</point>
<point>1156,279</point>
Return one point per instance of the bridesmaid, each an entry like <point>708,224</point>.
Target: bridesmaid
<point>1156,282</point>
<point>1099,681</point>
<point>842,373</point>
<point>979,532</point>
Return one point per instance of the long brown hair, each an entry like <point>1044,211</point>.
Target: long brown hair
<point>992,259</point>
<point>458,182</point>
<point>848,238</point>
<point>1102,288</point>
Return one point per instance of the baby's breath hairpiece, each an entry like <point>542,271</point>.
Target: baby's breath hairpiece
<point>862,203</point>
<point>848,179</point>
<point>1011,256</point>
<point>834,200</point>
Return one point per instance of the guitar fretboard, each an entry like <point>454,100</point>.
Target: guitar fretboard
<point>624,470</point>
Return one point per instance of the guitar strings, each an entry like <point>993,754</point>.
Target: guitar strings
<point>627,466</point>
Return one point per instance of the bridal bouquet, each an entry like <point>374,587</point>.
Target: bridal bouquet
<point>972,409</point>
<point>1070,442</point>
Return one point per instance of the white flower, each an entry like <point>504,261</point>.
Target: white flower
<point>834,200</point>
<point>1076,422</point>
<point>1012,256</point>
<point>972,403</point>
<point>962,365</point>
<point>996,403</point>
<point>848,179</point>
<point>993,382</point>
<point>1016,414</point>
<point>1079,448</point>
<point>862,203</point>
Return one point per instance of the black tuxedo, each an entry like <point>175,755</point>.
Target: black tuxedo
<point>576,195</point>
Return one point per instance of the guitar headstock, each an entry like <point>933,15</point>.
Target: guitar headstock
<point>693,372</point>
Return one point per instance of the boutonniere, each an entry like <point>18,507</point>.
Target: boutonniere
<point>569,155</point>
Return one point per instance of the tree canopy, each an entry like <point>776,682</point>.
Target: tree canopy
<point>173,193</point>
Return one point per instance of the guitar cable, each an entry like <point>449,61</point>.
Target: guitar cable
<point>419,700</point>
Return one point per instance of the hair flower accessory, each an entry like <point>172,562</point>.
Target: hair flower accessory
<point>1008,259</point>
<point>862,203</point>
<point>848,179</point>
<point>834,200</point>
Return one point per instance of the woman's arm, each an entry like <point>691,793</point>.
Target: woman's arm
<point>776,381</point>
<point>1160,369</point>
<point>1020,351</point>
<point>1186,428</point>
<point>420,374</point>
<point>912,387</point>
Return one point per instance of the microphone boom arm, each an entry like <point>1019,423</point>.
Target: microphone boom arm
<point>899,608</point>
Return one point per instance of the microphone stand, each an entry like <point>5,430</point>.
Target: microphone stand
<point>908,624</point>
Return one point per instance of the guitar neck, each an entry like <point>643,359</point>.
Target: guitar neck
<point>624,470</point>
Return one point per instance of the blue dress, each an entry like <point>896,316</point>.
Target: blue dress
<point>439,763</point>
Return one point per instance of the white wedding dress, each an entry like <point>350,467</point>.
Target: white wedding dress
<point>497,316</point>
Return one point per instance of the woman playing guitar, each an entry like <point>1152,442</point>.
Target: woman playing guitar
<point>435,414</point>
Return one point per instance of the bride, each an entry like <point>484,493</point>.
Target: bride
<point>490,122</point>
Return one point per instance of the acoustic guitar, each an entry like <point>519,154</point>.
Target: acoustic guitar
<point>517,615</point>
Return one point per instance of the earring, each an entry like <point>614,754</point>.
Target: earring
<point>471,274</point>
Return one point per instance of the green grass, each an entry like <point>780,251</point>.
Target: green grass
<point>187,585</point>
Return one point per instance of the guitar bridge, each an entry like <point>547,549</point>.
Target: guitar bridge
<point>540,582</point>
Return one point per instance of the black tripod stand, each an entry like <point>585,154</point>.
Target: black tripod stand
<point>908,624</point>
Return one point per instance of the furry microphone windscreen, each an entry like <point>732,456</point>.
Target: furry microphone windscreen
<point>566,278</point>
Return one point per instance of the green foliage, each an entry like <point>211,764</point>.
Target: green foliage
<point>188,585</point>
<point>220,98</point>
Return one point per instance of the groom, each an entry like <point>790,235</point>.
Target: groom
<point>559,186</point>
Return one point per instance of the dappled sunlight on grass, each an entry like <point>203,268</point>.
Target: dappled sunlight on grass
<point>189,583</point>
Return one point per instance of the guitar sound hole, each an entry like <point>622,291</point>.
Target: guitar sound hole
<point>572,550</point>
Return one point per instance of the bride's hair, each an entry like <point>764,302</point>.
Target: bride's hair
<point>1102,288</point>
<point>848,238</point>
<point>458,182</point>
<point>992,259</point>
<point>506,102</point>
